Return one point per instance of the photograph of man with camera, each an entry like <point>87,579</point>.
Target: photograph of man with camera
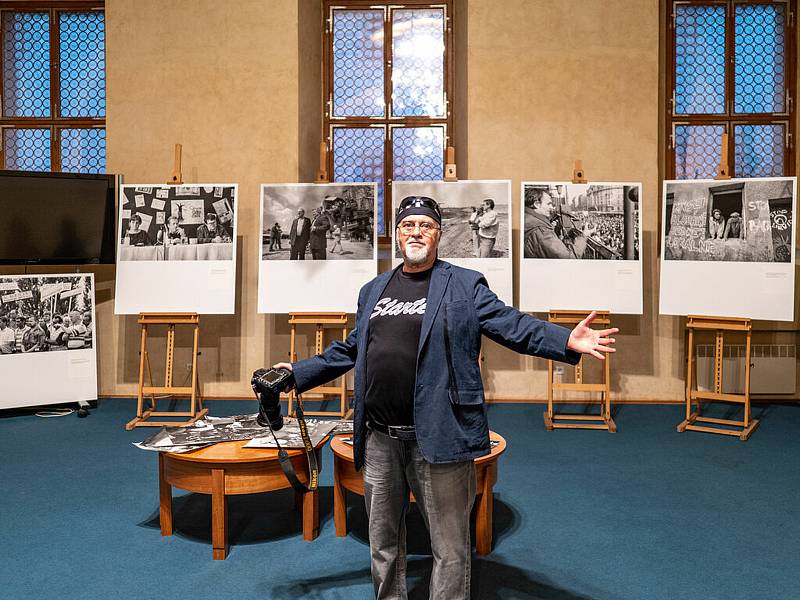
<point>419,416</point>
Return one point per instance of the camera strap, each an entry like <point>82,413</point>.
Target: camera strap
<point>286,462</point>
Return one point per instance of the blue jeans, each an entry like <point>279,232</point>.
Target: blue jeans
<point>444,494</point>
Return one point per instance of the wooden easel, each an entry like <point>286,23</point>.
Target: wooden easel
<point>319,321</point>
<point>177,176</point>
<point>450,165</point>
<point>196,411</point>
<point>719,325</point>
<point>569,421</point>
<point>745,427</point>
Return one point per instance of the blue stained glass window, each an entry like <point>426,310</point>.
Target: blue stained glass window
<point>83,64</point>
<point>699,59</point>
<point>83,150</point>
<point>26,64</point>
<point>358,63</point>
<point>358,156</point>
<point>418,153</point>
<point>760,58</point>
<point>758,150</point>
<point>697,149</point>
<point>26,149</point>
<point>418,62</point>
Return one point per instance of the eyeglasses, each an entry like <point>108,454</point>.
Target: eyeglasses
<point>425,228</point>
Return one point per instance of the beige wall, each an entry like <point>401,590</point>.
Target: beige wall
<point>541,83</point>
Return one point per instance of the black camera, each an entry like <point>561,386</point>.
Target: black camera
<point>268,385</point>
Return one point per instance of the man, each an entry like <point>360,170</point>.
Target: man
<point>419,418</point>
<point>275,237</point>
<point>212,231</point>
<point>474,227</point>
<point>298,236</point>
<point>488,226</point>
<point>19,331</point>
<point>33,338</point>
<point>174,233</point>
<point>734,229</point>
<point>88,333</point>
<point>320,225</point>
<point>716,227</point>
<point>76,332</point>
<point>541,240</point>
<point>7,337</point>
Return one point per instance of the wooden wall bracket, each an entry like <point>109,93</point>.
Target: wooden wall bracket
<point>719,325</point>
<point>552,421</point>
<point>196,410</point>
<point>322,173</point>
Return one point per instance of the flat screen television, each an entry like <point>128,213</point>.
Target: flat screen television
<point>56,218</point>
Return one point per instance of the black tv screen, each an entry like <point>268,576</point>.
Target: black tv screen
<point>56,218</point>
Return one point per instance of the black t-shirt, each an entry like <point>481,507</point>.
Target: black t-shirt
<point>394,328</point>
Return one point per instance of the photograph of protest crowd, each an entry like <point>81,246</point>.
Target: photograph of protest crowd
<point>188,222</point>
<point>46,313</point>
<point>475,221</point>
<point>598,221</point>
<point>318,222</point>
<point>745,220</point>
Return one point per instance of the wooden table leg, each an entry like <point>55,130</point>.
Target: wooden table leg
<point>483,516</point>
<point>310,515</point>
<point>165,497</point>
<point>339,502</point>
<point>219,515</point>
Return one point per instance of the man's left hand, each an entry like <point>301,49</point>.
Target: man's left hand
<point>586,340</point>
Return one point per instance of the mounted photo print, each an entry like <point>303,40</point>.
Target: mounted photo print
<point>476,226</point>
<point>581,247</point>
<point>48,349</point>
<point>177,248</point>
<point>318,246</point>
<point>728,248</point>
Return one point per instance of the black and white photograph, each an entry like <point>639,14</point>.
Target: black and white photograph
<point>595,229</point>
<point>318,222</point>
<point>728,248</point>
<point>46,314</point>
<point>181,223</point>
<point>732,221</point>
<point>177,248</point>
<point>475,216</point>
<point>476,226</point>
<point>289,435</point>
<point>48,349</point>
<point>318,245</point>
<point>581,221</point>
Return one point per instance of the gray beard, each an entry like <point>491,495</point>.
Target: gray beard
<point>415,257</point>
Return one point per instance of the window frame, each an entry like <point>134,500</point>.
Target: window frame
<point>55,122</point>
<point>388,121</point>
<point>730,119</point>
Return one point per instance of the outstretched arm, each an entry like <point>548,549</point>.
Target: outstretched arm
<point>586,340</point>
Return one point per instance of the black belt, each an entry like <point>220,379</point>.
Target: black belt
<point>404,433</point>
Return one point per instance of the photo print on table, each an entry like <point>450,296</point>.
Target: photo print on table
<point>475,216</point>
<point>177,223</point>
<point>596,221</point>
<point>744,220</point>
<point>318,222</point>
<point>46,313</point>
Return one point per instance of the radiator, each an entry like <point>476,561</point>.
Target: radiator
<point>773,372</point>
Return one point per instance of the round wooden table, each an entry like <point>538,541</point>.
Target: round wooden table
<point>345,477</point>
<point>229,468</point>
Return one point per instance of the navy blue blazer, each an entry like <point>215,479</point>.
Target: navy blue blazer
<point>451,424</point>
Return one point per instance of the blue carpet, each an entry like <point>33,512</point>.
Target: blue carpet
<point>646,513</point>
